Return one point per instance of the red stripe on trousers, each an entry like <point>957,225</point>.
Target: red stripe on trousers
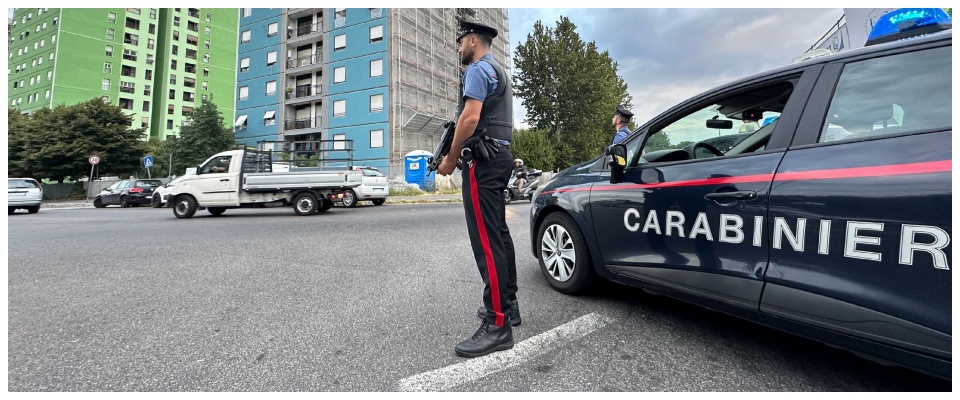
<point>485,243</point>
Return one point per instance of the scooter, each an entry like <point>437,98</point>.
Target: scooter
<point>511,193</point>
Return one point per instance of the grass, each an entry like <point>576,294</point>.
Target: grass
<point>417,192</point>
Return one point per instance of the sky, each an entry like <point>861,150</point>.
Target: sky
<point>669,55</point>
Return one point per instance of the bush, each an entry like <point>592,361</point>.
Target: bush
<point>407,192</point>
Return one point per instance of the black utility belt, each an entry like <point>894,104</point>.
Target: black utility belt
<point>482,148</point>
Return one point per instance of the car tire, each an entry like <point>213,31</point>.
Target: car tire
<point>11,210</point>
<point>216,211</point>
<point>123,202</point>
<point>33,210</point>
<point>379,202</point>
<point>156,201</point>
<point>305,204</point>
<point>98,203</point>
<point>325,204</point>
<point>350,199</point>
<point>184,207</point>
<point>563,255</point>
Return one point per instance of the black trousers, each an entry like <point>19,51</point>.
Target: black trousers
<point>485,211</point>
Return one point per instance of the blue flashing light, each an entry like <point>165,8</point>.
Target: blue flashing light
<point>769,120</point>
<point>907,23</point>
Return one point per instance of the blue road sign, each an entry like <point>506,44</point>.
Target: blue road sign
<point>148,161</point>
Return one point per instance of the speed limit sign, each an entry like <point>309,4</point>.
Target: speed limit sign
<point>94,159</point>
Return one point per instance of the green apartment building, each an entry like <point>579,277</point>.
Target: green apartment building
<point>157,64</point>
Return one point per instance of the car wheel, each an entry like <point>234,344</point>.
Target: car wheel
<point>507,196</point>
<point>11,210</point>
<point>123,202</point>
<point>564,258</point>
<point>184,207</point>
<point>33,210</point>
<point>216,210</point>
<point>156,201</point>
<point>305,204</point>
<point>350,199</point>
<point>379,202</point>
<point>98,203</point>
<point>325,204</point>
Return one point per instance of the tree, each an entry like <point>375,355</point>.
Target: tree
<point>569,89</point>
<point>56,143</point>
<point>534,148</point>
<point>658,141</point>
<point>202,135</point>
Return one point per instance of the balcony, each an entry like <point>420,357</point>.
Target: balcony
<point>127,89</point>
<point>303,33</point>
<point>304,94</point>
<point>304,63</point>
<point>301,126</point>
<point>298,12</point>
<point>193,12</point>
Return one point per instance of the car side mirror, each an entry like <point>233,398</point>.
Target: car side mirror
<point>719,124</point>
<point>617,159</point>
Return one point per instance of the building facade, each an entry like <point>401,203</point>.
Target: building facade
<point>381,80</point>
<point>156,64</point>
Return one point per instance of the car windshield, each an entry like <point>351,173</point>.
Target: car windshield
<point>148,184</point>
<point>371,172</point>
<point>22,184</point>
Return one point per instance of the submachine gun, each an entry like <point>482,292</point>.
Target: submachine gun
<point>443,147</point>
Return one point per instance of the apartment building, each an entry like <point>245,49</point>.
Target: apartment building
<point>157,64</point>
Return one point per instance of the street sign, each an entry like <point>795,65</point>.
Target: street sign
<point>94,159</point>
<point>148,161</point>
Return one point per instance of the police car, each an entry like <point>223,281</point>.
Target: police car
<point>841,237</point>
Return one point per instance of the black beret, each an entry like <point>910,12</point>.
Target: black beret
<point>624,113</point>
<point>467,27</point>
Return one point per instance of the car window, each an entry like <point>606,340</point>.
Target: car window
<point>904,92</point>
<point>370,172</point>
<point>115,185</point>
<point>126,184</point>
<point>22,184</point>
<point>216,165</point>
<point>148,184</point>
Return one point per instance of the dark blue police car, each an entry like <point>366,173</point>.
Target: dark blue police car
<point>832,222</point>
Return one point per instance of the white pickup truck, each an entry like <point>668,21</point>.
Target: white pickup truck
<point>231,179</point>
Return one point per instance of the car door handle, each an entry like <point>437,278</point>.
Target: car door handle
<point>727,196</point>
<point>224,180</point>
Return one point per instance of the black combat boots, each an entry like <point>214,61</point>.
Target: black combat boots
<point>514,313</point>
<point>488,339</point>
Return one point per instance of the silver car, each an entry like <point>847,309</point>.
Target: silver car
<point>25,194</point>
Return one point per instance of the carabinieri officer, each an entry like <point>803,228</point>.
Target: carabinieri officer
<point>620,120</point>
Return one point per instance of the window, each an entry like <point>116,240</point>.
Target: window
<point>152,29</point>
<point>112,18</point>
<point>150,44</point>
<point>105,84</point>
<point>176,35</point>
<point>340,42</point>
<point>132,23</point>
<point>204,85</point>
<point>376,33</point>
<point>145,121</point>
<point>107,68</point>
<point>53,39</point>
<point>193,26</point>
<point>188,96</point>
<point>110,33</point>
<point>191,54</point>
<point>176,21</point>
<point>244,92</point>
<point>244,65</point>
<point>247,12</point>
<point>109,51</point>
<point>134,11</point>
<point>340,143</point>
<point>339,108</point>
<point>208,17</point>
<point>172,95</point>
<point>193,40</point>
<point>146,106</point>
<point>47,94</point>
<point>269,117</point>
<point>376,103</point>
<point>376,68</point>
<point>376,12</point>
<point>146,90</point>
<point>271,88</point>
<point>206,72</point>
<point>271,58</point>
<point>206,30</point>
<point>245,37</point>
<point>51,56</point>
<point>153,13</point>
<point>889,95</point>
<point>190,68</point>
<point>128,87</point>
<point>131,39</point>
<point>169,124</point>
<point>241,122</point>
<point>126,70</point>
<point>272,29</point>
<point>149,59</point>
<point>49,75</point>
<point>173,65</point>
<point>32,80</point>
<point>206,44</point>
<point>44,25</point>
<point>340,12</point>
<point>216,165</point>
<point>189,82</point>
<point>376,138</point>
<point>206,58</point>
<point>130,55</point>
<point>173,79</point>
<point>170,109</point>
<point>339,74</point>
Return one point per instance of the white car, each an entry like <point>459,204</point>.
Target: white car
<point>374,188</point>
<point>161,193</point>
<point>25,194</point>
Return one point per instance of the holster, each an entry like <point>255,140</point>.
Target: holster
<point>483,148</point>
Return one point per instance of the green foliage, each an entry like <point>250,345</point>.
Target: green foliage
<point>55,143</point>
<point>202,135</point>
<point>301,160</point>
<point>534,148</point>
<point>570,90</point>
<point>659,141</point>
<point>410,191</point>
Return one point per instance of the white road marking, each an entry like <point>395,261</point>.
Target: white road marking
<point>476,368</point>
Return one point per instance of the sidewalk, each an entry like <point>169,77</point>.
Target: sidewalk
<point>427,198</point>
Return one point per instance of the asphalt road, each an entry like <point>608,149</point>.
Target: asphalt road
<point>365,299</point>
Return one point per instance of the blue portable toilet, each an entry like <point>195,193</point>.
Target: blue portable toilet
<point>415,170</point>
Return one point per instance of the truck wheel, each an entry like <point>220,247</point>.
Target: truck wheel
<point>564,258</point>
<point>379,202</point>
<point>216,210</point>
<point>350,198</point>
<point>123,202</point>
<point>33,210</point>
<point>98,203</point>
<point>325,205</point>
<point>184,207</point>
<point>305,204</point>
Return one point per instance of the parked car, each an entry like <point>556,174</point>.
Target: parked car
<point>127,192</point>
<point>374,188</point>
<point>162,193</point>
<point>25,194</point>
